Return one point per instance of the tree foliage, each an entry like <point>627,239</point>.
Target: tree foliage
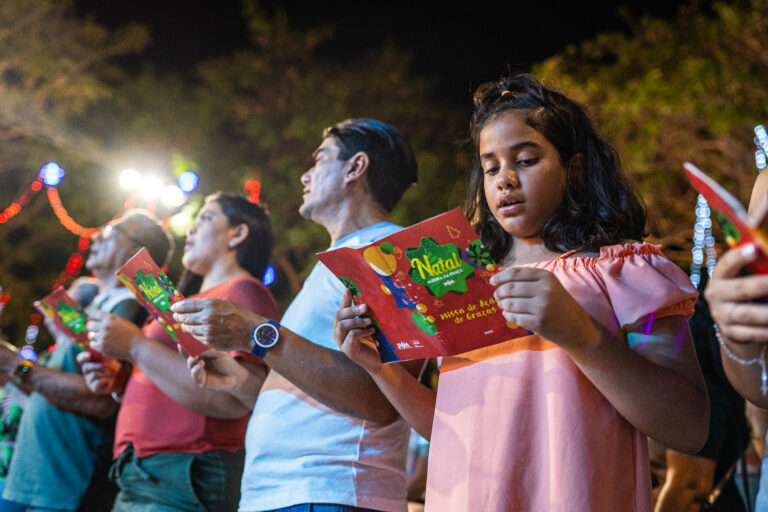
<point>256,113</point>
<point>688,88</point>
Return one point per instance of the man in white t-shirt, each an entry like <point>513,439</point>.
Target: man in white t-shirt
<point>322,436</point>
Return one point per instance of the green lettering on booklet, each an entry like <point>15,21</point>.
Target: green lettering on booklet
<point>438,267</point>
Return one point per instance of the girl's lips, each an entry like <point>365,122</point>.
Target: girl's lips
<point>511,209</point>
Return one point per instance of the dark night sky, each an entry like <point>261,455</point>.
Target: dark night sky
<point>461,43</point>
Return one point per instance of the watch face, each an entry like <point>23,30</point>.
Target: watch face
<point>266,335</point>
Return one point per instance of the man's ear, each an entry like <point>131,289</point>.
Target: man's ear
<point>358,165</point>
<point>240,233</point>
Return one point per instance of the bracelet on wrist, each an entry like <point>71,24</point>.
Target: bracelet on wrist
<point>760,360</point>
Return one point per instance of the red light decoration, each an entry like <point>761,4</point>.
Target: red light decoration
<point>64,218</point>
<point>14,208</point>
<point>253,187</point>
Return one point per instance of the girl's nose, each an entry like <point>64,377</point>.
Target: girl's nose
<point>507,178</point>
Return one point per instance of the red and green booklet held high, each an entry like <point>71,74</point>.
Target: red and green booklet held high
<point>157,294</point>
<point>68,316</point>
<point>426,288</point>
<point>738,226</point>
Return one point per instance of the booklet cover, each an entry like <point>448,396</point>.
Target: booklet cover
<point>157,294</point>
<point>426,288</point>
<point>738,226</point>
<point>68,316</point>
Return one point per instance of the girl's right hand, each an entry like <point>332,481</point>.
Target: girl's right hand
<point>352,333</point>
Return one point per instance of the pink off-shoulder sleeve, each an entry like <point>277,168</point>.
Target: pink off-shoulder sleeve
<point>641,282</point>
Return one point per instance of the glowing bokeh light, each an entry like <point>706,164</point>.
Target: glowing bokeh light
<point>28,353</point>
<point>150,187</point>
<point>130,179</point>
<point>172,196</point>
<point>188,181</point>
<point>51,174</point>
<point>269,276</point>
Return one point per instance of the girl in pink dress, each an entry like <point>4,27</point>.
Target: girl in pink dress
<point>555,421</point>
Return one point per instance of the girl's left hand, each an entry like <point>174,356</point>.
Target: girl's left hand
<point>535,299</point>
<point>112,335</point>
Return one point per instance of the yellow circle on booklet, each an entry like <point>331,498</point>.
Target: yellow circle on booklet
<point>421,308</point>
<point>386,290</point>
<point>512,326</point>
<point>431,319</point>
<point>490,267</point>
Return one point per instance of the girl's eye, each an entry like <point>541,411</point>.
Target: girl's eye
<point>492,170</point>
<point>527,162</point>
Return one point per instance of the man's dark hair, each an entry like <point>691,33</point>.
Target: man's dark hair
<point>392,166</point>
<point>143,229</point>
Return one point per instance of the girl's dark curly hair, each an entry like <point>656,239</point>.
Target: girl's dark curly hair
<point>598,207</point>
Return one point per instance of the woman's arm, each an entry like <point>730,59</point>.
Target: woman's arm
<point>164,366</point>
<point>737,306</point>
<point>689,480</point>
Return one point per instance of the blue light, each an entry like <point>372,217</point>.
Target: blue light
<point>28,353</point>
<point>269,276</point>
<point>188,181</point>
<point>51,174</point>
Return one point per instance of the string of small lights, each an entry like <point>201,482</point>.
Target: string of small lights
<point>703,241</point>
<point>14,208</point>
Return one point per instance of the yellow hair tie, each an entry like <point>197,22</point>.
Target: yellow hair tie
<point>505,92</point>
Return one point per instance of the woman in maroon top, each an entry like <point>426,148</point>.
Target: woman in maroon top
<point>178,445</point>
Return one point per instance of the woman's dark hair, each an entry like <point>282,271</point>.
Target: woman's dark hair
<point>598,206</point>
<point>253,253</point>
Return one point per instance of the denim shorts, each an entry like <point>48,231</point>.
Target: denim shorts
<point>172,482</point>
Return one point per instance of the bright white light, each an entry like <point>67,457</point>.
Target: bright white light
<point>130,179</point>
<point>150,187</point>
<point>173,196</point>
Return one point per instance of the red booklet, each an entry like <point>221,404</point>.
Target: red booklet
<point>68,316</point>
<point>426,288</point>
<point>738,226</point>
<point>157,294</point>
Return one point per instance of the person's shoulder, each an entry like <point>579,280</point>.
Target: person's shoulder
<point>249,292</point>
<point>629,249</point>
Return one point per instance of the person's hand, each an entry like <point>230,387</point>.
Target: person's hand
<point>55,330</point>
<point>9,360</point>
<point>731,297</point>
<point>535,299</point>
<point>216,369</point>
<point>220,324</point>
<point>113,335</point>
<point>353,334</point>
<point>103,376</point>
